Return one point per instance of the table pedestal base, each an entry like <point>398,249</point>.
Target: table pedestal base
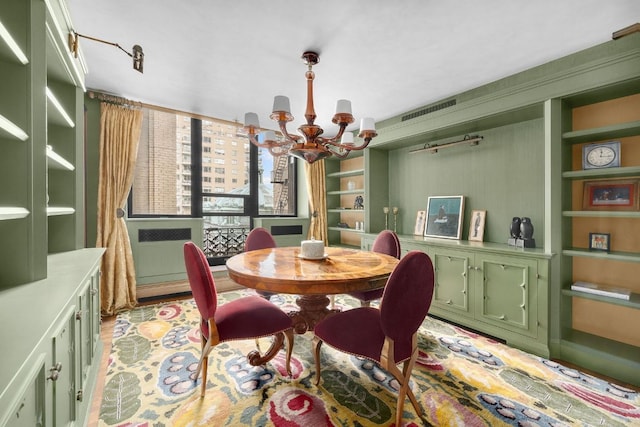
<point>256,359</point>
<point>313,308</point>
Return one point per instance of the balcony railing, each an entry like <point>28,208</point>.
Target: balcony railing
<point>223,242</point>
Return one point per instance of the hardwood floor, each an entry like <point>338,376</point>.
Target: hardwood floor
<point>106,334</point>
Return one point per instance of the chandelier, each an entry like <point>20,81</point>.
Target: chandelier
<point>309,145</point>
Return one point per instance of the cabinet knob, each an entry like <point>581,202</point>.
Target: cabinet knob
<point>55,372</point>
<point>79,396</point>
<point>502,317</point>
<point>449,302</point>
<point>79,315</point>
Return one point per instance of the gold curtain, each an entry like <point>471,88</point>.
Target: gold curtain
<point>119,136</point>
<point>317,191</point>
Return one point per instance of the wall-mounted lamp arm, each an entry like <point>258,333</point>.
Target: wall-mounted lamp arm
<point>470,140</point>
<point>137,55</point>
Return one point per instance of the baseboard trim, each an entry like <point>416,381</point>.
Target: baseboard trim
<point>153,290</point>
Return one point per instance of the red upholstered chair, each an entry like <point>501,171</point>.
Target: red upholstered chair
<point>260,238</point>
<point>248,317</point>
<point>386,242</point>
<point>388,335</point>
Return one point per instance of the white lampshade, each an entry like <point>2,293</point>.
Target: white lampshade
<point>268,135</point>
<point>251,119</point>
<point>281,103</point>
<point>343,106</point>
<point>347,138</point>
<point>367,123</point>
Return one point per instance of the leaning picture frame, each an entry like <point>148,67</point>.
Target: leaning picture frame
<point>600,242</point>
<point>476,225</point>
<point>444,217</point>
<point>420,219</point>
<point>611,194</point>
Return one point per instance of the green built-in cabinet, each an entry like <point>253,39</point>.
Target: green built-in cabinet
<point>49,284</point>
<point>596,330</point>
<point>41,114</point>
<point>492,288</point>
<point>534,125</point>
<point>345,180</point>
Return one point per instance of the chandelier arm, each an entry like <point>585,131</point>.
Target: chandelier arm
<point>288,137</point>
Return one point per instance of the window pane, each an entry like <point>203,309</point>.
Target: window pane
<point>162,178</point>
<point>217,205</point>
<point>276,190</point>
<point>218,138</point>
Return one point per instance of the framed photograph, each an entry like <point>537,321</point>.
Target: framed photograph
<point>610,195</point>
<point>420,219</point>
<point>476,226</point>
<point>444,217</point>
<point>600,242</point>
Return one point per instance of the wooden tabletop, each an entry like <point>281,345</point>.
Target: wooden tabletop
<point>281,270</point>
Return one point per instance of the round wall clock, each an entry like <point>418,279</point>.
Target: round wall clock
<point>601,155</point>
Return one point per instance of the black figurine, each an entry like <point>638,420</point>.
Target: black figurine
<point>526,228</point>
<point>515,227</point>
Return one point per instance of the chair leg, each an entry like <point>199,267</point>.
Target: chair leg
<point>205,368</point>
<point>317,343</point>
<point>289,336</point>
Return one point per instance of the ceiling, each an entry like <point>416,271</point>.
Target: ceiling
<point>224,58</point>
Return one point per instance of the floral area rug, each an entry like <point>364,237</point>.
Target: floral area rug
<point>460,379</point>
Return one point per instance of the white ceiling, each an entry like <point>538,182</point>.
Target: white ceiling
<point>224,58</point>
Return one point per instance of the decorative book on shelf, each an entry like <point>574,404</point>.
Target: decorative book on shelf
<point>607,291</point>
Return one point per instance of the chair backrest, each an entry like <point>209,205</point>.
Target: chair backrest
<point>387,242</point>
<point>201,281</point>
<point>259,238</point>
<point>407,296</point>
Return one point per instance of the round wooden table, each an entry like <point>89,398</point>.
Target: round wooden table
<point>282,270</point>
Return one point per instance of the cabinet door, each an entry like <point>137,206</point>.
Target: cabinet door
<point>95,311</point>
<point>62,371</point>
<point>452,288</point>
<point>84,341</point>
<point>29,408</point>
<point>508,292</point>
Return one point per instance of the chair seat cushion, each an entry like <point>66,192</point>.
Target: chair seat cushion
<point>358,332</point>
<point>248,317</point>
<point>368,295</point>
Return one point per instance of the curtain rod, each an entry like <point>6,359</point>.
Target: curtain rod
<point>468,139</point>
<point>124,101</point>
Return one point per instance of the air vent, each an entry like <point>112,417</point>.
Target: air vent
<point>163,234</point>
<point>429,110</point>
<point>285,230</point>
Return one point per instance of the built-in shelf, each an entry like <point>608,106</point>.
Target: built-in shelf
<point>581,344</point>
<point>601,214</point>
<point>614,256</point>
<point>605,132</point>
<point>345,174</point>
<point>57,210</point>
<point>56,161</point>
<point>56,113</point>
<point>351,230</point>
<point>633,301</point>
<point>603,173</point>
<point>339,192</point>
<point>337,210</point>
<point>9,48</point>
<point>12,212</point>
<point>8,129</point>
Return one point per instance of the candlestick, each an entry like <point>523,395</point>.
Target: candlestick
<point>395,219</point>
<point>386,217</point>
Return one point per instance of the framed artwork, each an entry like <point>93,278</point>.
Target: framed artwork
<point>610,195</point>
<point>600,242</point>
<point>444,217</point>
<point>420,218</point>
<point>476,226</point>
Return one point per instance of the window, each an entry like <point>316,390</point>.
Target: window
<point>200,186</point>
